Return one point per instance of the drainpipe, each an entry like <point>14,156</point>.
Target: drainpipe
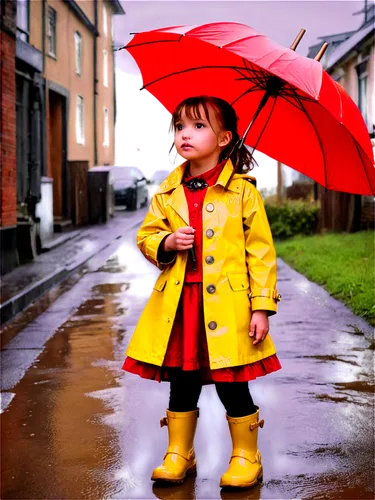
<point>95,61</point>
<point>45,109</point>
<point>114,98</point>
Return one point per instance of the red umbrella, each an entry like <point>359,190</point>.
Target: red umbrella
<point>297,113</point>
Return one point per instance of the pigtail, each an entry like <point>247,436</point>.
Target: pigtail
<point>241,157</point>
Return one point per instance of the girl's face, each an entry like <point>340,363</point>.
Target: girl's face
<point>198,138</point>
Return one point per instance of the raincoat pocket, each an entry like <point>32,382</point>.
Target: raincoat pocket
<point>160,283</point>
<point>238,281</point>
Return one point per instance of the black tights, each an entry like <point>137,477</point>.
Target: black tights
<point>186,387</point>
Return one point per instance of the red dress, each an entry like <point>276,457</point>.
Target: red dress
<point>187,347</point>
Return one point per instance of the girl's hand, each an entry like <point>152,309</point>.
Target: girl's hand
<point>182,239</point>
<point>259,326</point>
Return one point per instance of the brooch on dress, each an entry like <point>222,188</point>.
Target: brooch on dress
<point>195,184</point>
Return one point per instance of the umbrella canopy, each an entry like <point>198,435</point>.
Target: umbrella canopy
<point>303,117</point>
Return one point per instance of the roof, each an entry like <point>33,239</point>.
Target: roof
<point>116,6</point>
<point>351,43</point>
<point>333,42</point>
<point>340,44</point>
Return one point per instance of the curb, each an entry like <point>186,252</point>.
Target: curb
<point>19,302</point>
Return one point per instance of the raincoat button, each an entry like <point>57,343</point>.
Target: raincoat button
<point>168,320</point>
<point>209,207</point>
<point>212,325</point>
<point>210,259</point>
<point>177,282</point>
<point>209,233</point>
<point>211,289</point>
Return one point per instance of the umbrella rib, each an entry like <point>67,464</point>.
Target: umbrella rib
<point>318,137</point>
<point>265,125</point>
<point>127,47</point>
<point>258,76</point>
<point>293,103</point>
<point>186,71</point>
<point>248,91</point>
<point>293,94</point>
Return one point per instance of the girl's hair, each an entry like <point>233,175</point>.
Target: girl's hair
<point>241,158</point>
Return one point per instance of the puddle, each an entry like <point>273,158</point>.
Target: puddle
<point>359,386</point>
<point>112,266</point>
<point>342,399</point>
<point>21,320</point>
<point>110,288</point>
<point>330,357</point>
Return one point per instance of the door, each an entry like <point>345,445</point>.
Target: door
<point>55,150</point>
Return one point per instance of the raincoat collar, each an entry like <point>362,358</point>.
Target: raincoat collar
<point>175,178</point>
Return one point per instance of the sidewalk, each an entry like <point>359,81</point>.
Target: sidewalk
<point>29,281</point>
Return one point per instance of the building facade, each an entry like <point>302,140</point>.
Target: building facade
<point>60,110</point>
<point>350,60</point>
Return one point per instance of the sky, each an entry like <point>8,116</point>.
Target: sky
<point>279,19</point>
<point>142,123</point>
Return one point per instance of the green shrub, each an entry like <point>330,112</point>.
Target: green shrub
<point>292,217</point>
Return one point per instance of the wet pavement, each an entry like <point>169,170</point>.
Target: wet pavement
<point>30,280</point>
<point>76,427</point>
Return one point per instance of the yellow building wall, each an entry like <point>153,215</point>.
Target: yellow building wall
<point>36,31</point>
<point>350,82</point>
<point>88,8</point>
<point>105,94</point>
<point>61,70</point>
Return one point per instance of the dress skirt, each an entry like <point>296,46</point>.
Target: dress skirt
<point>187,348</point>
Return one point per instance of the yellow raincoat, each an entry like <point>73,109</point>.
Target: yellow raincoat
<point>241,278</point>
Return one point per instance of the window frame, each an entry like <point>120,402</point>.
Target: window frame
<point>80,113</point>
<point>362,70</point>
<point>78,39</point>
<point>52,35</point>
<point>23,32</point>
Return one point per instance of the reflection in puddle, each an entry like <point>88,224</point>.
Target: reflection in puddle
<point>110,288</point>
<point>331,358</point>
<point>64,430</point>
<point>341,399</point>
<point>112,266</point>
<point>359,386</point>
<point>21,320</point>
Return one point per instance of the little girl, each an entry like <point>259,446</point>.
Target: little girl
<point>207,318</point>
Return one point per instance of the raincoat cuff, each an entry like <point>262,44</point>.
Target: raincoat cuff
<point>265,299</point>
<point>163,257</point>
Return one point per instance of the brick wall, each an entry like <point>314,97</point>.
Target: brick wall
<point>8,186</point>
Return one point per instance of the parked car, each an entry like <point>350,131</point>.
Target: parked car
<point>156,178</point>
<point>130,187</point>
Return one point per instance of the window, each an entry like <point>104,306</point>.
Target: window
<point>362,74</point>
<point>78,52</point>
<point>51,34</point>
<point>105,68</point>
<point>106,128</point>
<point>105,20</point>
<point>23,15</point>
<point>80,120</point>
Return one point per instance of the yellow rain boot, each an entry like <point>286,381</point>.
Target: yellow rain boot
<point>179,459</point>
<point>245,466</point>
